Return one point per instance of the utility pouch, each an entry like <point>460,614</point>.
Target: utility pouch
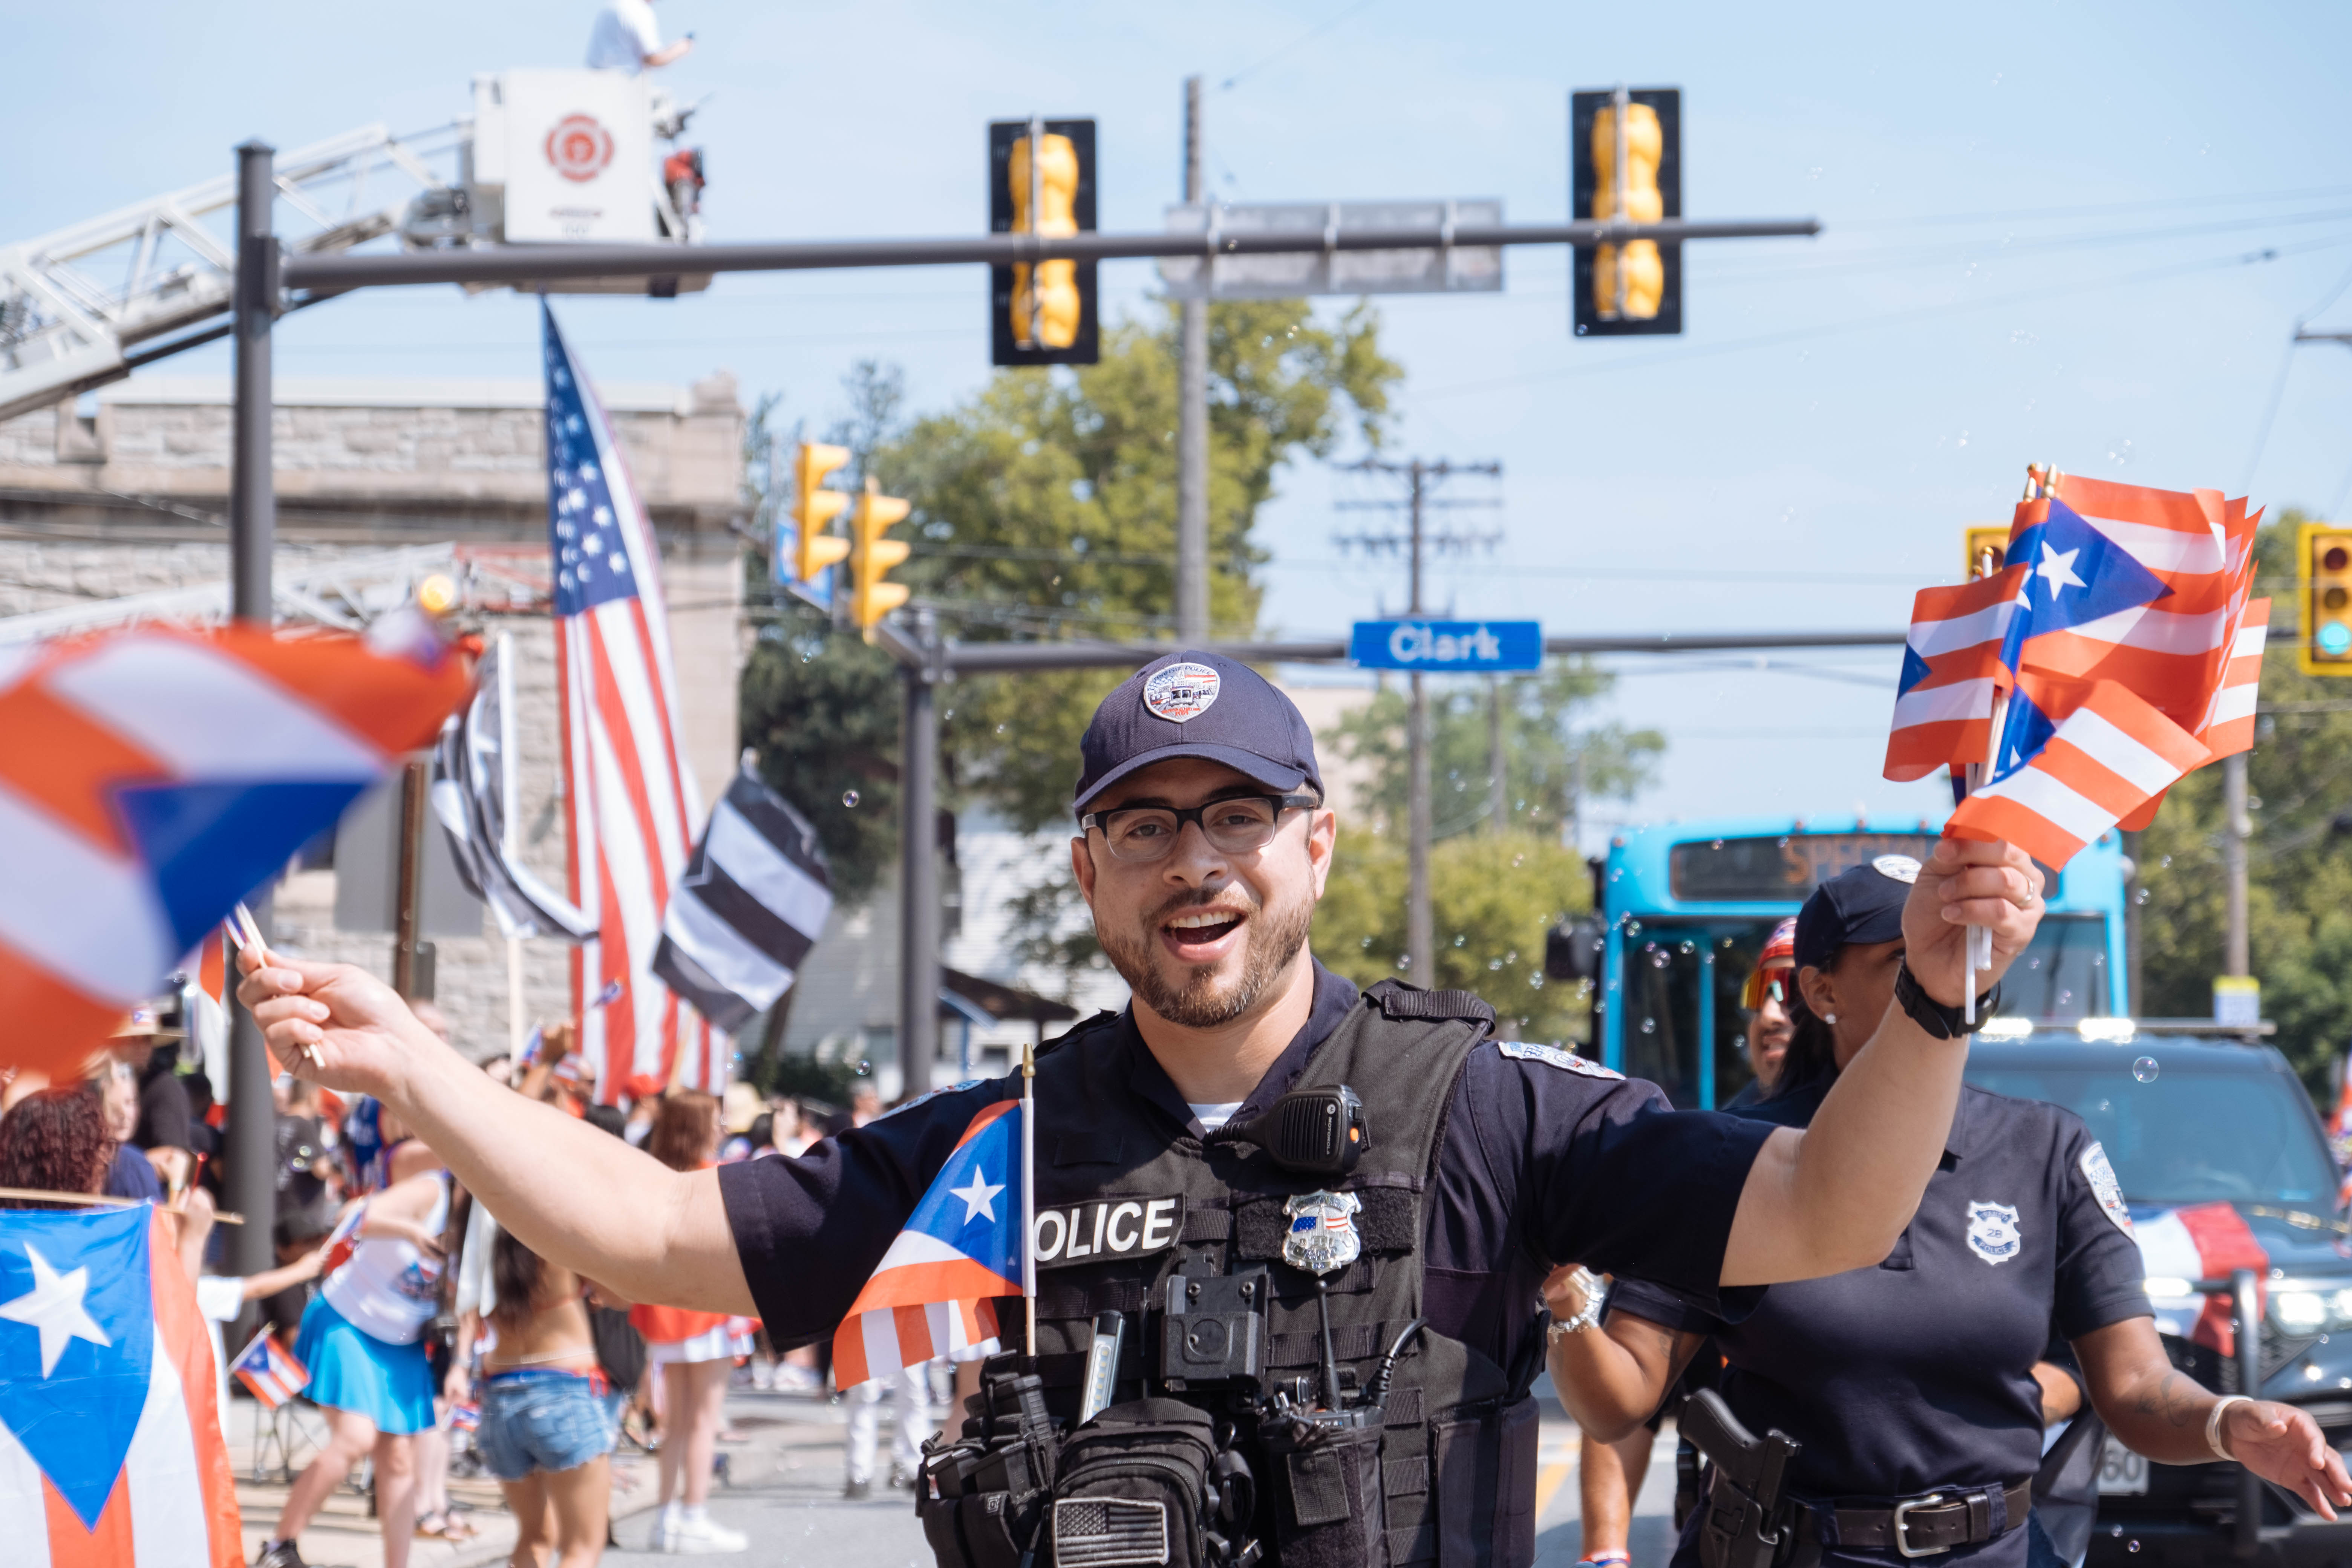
<point>982,1498</point>
<point>1325,1473</point>
<point>1137,1489</point>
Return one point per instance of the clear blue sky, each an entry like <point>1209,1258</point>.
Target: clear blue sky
<point>2033,215</point>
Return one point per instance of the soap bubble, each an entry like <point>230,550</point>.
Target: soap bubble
<point>2144,1068</point>
<point>849,798</point>
<point>865,1067</point>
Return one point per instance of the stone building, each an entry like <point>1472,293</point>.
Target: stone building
<point>127,496</point>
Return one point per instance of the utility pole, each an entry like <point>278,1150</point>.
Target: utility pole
<point>1193,419</point>
<point>2236,828</point>
<point>919,889</point>
<point>253,535</point>
<point>1421,478</point>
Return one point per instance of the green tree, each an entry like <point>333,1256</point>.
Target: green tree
<point>1043,507</point>
<point>2299,782</point>
<point>1493,897</point>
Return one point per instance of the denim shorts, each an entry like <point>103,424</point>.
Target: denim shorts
<point>540,1420</point>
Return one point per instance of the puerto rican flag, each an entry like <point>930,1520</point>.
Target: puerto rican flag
<point>631,805</point>
<point>269,1370</point>
<point>345,1239</point>
<point>933,1293</point>
<point>154,776</point>
<point>2230,720</point>
<point>2060,786</point>
<point>111,1451</point>
<point>1952,674</point>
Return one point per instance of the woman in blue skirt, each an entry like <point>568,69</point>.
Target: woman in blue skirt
<point>361,1341</point>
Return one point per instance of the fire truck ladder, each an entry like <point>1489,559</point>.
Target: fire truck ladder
<point>64,331</point>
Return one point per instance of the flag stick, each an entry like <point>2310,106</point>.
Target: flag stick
<point>1028,1190</point>
<point>1977,944</point>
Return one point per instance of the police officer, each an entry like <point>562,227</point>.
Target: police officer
<point>1917,1389</point>
<point>1351,1327</point>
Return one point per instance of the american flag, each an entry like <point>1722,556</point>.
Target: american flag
<point>631,807</point>
<point>271,1370</point>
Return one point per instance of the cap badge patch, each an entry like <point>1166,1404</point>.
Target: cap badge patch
<point>1322,1238</point>
<point>2106,1188</point>
<point>1901,868</point>
<point>1993,1235</point>
<point>1182,693</point>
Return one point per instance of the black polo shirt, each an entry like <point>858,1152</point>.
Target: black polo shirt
<point>1547,1158</point>
<point>1916,1375</point>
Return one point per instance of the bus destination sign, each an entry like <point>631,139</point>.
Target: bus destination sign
<point>1782,870</point>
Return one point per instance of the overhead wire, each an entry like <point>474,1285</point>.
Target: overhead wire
<point>1306,38</point>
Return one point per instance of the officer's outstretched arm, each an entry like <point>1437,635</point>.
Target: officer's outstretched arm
<point>577,1196</point>
<point>1610,1378</point>
<point>1837,1195</point>
<point>2154,1410</point>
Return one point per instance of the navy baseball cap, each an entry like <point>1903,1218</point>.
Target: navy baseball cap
<point>1860,903</point>
<point>1193,704</point>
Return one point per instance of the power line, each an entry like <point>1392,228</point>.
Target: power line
<point>1308,37</point>
<point>2263,437</point>
<point>1865,323</point>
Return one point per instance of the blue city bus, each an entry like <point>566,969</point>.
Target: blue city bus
<point>1686,907</point>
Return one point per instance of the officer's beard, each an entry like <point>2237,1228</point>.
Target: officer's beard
<point>1203,998</point>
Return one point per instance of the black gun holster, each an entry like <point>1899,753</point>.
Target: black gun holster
<point>1745,1513</point>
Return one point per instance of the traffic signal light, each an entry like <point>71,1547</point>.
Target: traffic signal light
<point>1977,538</point>
<point>815,508</point>
<point>1041,314</point>
<point>1636,287</point>
<point>871,555</point>
<point>2323,570</point>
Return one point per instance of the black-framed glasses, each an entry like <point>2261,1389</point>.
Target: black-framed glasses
<point>1236,825</point>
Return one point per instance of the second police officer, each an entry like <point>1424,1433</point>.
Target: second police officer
<point>1916,1390</point>
<point>1314,1219</point>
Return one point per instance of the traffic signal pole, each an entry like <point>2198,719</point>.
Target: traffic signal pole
<point>919,861</point>
<point>1193,419</point>
<point>250,1173</point>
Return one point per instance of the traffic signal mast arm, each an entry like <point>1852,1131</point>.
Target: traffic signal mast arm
<point>484,264</point>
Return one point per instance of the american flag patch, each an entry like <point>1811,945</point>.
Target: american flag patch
<point>1109,1533</point>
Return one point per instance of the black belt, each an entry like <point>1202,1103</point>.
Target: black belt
<point>1930,1525</point>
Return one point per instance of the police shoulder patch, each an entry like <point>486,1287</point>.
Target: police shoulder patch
<point>2106,1188</point>
<point>1529,1051</point>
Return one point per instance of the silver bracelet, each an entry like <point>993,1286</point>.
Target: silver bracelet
<point>1595,1294</point>
<point>2214,1423</point>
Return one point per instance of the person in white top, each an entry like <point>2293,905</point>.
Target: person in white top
<point>627,38</point>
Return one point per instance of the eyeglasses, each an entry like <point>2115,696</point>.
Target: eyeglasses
<point>1236,825</point>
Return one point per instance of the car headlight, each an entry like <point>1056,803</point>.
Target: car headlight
<point>2310,1306</point>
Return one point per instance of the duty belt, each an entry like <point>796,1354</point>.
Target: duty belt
<point>1931,1525</point>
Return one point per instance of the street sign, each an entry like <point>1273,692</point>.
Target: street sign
<point>1452,269</point>
<point>1447,648</point>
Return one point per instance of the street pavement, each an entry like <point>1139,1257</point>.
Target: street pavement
<point>783,1486</point>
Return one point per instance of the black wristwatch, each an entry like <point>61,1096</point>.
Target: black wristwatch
<point>1944,1023</point>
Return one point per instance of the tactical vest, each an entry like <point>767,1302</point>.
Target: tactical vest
<point>1457,1468</point>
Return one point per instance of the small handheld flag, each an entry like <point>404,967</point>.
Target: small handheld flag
<point>345,1239</point>
<point>2077,778</point>
<point>269,1370</point>
<point>934,1293</point>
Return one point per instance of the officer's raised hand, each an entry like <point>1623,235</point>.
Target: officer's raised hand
<point>1968,883</point>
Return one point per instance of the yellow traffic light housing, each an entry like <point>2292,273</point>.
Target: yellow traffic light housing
<point>1042,181</point>
<point>2323,570</point>
<point>815,508</point>
<point>1984,550</point>
<point>1627,172</point>
<point>871,556</point>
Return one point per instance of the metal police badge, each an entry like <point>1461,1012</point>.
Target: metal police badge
<point>1993,1235</point>
<point>2104,1187</point>
<point>1322,1238</point>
